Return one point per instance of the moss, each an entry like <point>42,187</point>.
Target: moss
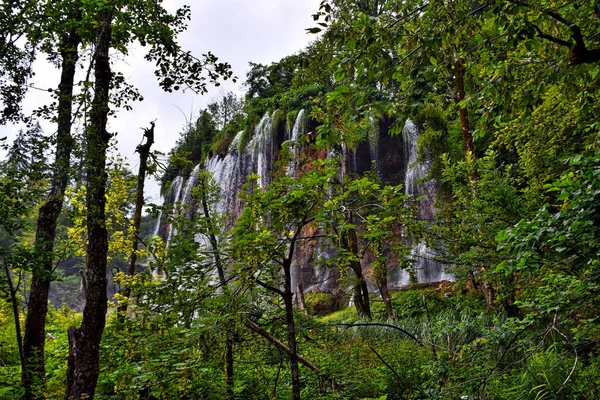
<point>343,316</point>
<point>244,139</point>
<point>291,118</point>
<point>277,117</point>
<point>323,303</point>
<point>221,144</point>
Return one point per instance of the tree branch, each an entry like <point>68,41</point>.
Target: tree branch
<point>385,363</point>
<point>580,54</point>
<point>551,38</point>
<point>254,327</point>
<point>269,287</point>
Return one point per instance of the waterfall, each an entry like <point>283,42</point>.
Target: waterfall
<point>157,226</point>
<point>415,184</point>
<point>392,155</point>
<point>229,172</point>
<point>187,207</point>
<point>174,195</point>
<point>191,183</point>
<point>295,144</point>
<point>373,137</point>
<point>261,146</point>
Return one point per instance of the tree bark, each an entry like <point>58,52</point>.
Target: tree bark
<point>361,291</point>
<point>385,295</point>
<point>84,342</point>
<point>33,375</point>
<point>252,326</point>
<point>288,299</point>
<point>144,151</point>
<point>15,309</point>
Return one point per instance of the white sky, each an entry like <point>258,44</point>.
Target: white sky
<point>236,31</point>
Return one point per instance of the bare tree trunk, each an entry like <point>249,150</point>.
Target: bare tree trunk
<point>144,151</point>
<point>288,299</point>
<point>84,342</point>
<point>33,375</point>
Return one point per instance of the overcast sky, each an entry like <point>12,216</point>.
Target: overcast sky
<point>236,31</point>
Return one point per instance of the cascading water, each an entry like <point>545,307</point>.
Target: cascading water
<point>262,148</point>
<point>397,156</point>
<point>229,172</point>
<point>373,137</point>
<point>164,228</point>
<point>191,183</point>
<point>295,145</point>
<point>415,184</point>
<point>173,197</point>
<point>157,226</point>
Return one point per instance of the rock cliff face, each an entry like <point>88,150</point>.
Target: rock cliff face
<point>393,157</point>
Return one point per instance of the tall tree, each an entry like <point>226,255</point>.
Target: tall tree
<point>211,228</point>
<point>225,109</point>
<point>84,342</point>
<point>48,215</point>
<point>116,25</point>
<point>271,226</point>
<point>370,218</point>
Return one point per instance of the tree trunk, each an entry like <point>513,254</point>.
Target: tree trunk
<point>488,292</point>
<point>15,309</point>
<point>33,375</point>
<point>385,295</point>
<point>361,291</point>
<point>144,151</point>
<point>507,288</point>
<point>288,299</point>
<point>84,342</point>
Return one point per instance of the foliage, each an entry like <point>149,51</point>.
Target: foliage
<point>16,56</point>
<point>503,92</point>
<point>120,196</point>
<point>558,247</point>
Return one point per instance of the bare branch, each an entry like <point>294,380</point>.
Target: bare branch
<point>269,287</point>
<point>254,327</point>
<point>551,38</point>
<point>385,363</point>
